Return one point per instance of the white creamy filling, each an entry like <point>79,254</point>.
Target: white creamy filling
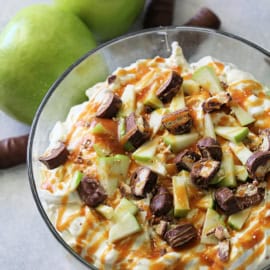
<point>52,202</point>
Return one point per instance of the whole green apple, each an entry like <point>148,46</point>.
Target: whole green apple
<point>105,18</point>
<point>36,47</point>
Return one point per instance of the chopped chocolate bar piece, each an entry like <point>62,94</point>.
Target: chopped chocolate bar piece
<point>210,148</point>
<point>203,171</point>
<point>143,181</point>
<point>180,235</point>
<point>91,192</point>
<point>185,160</point>
<point>227,201</point>
<point>56,157</point>
<point>137,130</point>
<point>170,88</point>
<point>162,202</point>
<point>265,134</point>
<point>216,102</point>
<point>258,165</point>
<point>110,106</point>
<point>178,122</point>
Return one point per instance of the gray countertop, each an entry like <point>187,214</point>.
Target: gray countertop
<point>25,240</point>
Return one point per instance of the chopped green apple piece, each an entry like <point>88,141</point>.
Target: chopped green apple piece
<point>101,150</point>
<point>180,142</point>
<point>218,177</point>
<point>121,127</point>
<point>180,196</point>
<point>75,181</point>
<point>190,87</point>
<point>234,134</point>
<point>155,120</point>
<point>99,129</point>
<point>128,101</point>
<point>125,227</point>
<point>227,164</point>
<point>209,130</point>
<point>212,221</point>
<point>147,151</point>
<point>207,78</point>
<point>237,220</point>
<point>241,173</point>
<point>241,151</point>
<point>152,100</point>
<point>155,165</point>
<point>111,170</point>
<point>125,206</point>
<point>105,210</point>
<point>242,116</point>
<point>178,101</point>
<point>205,202</point>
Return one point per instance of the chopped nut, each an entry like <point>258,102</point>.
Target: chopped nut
<point>224,250</point>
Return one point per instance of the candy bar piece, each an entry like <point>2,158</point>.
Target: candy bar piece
<point>180,235</point>
<point>91,192</point>
<point>143,181</point>
<point>13,151</point>
<point>110,106</point>
<point>178,122</point>
<point>170,88</point>
<point>204,18</point>
<point>56,157</point>
<point>137,130</point>
<point>159,13</point>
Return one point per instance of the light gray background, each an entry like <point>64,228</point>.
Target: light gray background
<point>25,241</point>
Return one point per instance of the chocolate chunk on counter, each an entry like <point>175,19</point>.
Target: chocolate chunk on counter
<point>109,106</point>
<point>178,122</point>
<point>170,88</point>
<point>205,18</point>
<point>216,102</point>
<point>185,160</point>
<point>180,235</point>
<point>159,13</point>
<point>227,201</point>
<point>162,202</point>
<point>91,192</point>
<point>137,130</point>
<point>56,157</point>
<point>143,181</point>
<point>258,165</point>
<point>13,151</point>
<point>203,171</point>
<point>210,148</point>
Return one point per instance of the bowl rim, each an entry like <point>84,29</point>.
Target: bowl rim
<point>65,74</point>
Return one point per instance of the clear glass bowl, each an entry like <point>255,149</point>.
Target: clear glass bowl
<point>96,65</point>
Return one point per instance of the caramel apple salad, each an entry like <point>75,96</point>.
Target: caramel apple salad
<point>164,167</point>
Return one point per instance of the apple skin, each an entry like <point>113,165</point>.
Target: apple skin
<point>36,47</point>
<point>105,18</point>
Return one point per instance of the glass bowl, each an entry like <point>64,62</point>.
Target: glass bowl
<point>96,65</point>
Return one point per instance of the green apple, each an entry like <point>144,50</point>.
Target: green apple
<point>36,47</point>
<point>106,18</point>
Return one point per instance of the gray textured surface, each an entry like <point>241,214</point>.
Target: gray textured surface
<point>25,241</point>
